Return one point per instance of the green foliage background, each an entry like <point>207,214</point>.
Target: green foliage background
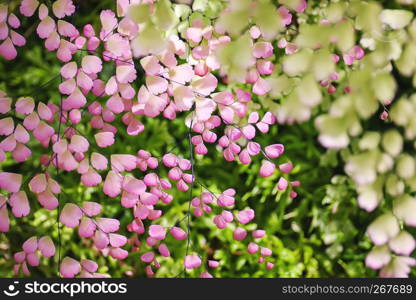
<point>321,233</point>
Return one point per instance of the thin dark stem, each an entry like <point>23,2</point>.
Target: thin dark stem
<point>37,89</point>
<point>128,61</point>
<point>46,164</point>
<point>207,189</point>
<point>241,130</point>
<point>57,178</point>
<point>191,155</point>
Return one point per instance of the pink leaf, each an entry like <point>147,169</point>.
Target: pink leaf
<point>20,204</point>
<point>192,261</point>
<point>70,215</point>
<point>104,139</point>
<point>46,246</point>
<point>91,64</point>
<point>10,181</point>
<point>108,225</point>
<point>30,245</point>
<point>69,267</point>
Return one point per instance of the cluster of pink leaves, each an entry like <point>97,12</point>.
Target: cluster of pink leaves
<point>33,248</point>
<point>86,268</point>
<point>221,118</point>
<point>356,53</point>
<point>8,36</point>
<point>101,230</point>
